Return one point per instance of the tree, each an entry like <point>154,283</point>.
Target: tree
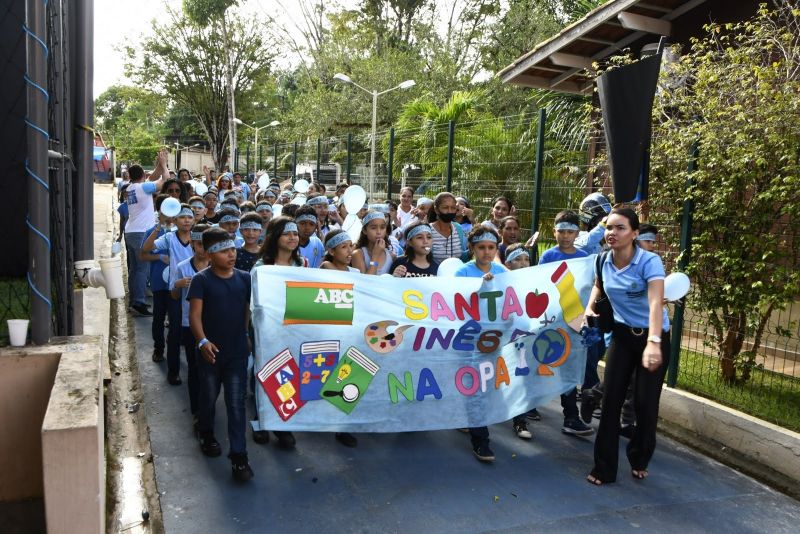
<point>190,69</point>
<point>736,96</point>
<point>131,118</point>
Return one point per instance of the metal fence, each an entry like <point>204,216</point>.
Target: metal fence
<point>507,156</point>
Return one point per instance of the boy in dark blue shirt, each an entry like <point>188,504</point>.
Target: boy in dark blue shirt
<point>219,314</point>
<point>566,230</point>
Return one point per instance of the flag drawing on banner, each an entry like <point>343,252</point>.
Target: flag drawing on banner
<point>349,381</point>
<point>280,378</point>
<point>318,360</point>
<point>318,303</point>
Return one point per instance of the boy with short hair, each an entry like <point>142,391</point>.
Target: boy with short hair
<point>566,229</point>
<point>198,207</point>
<point>229,221</point>
<point>247,252</point>
<point>219,314</point>
<point>311,248</point>
<point>186,270</point>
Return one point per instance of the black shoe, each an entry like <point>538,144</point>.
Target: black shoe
<point>626,431</point>
<point>174,380</point>
<point>261,437</point>
<point>209,445</point>
<point>240,468</point>
<point>533,414</point>
<point>521,429</point>
<point>589,404</point>
<point>286,440</point>
<point>483,452</point>
<point>158,356</point>
<point>346,439</point>
<point>576,427</point>
<point>142,309</point>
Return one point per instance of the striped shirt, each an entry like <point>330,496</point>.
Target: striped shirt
<point>446,247</point>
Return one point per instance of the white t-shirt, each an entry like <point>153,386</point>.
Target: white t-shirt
<point>403,216</point>
<point>139,197</point>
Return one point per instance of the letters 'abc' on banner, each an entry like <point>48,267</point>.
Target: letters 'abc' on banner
<point>341,351</point>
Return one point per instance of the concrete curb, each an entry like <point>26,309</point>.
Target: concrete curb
<point>756,447</point>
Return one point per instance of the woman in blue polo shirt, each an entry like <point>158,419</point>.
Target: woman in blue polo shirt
<point>633,279</point>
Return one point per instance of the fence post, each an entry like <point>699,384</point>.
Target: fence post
<point>258,158</point>
<point>451,138</point>
<point>294,162</point>
<point>247,161</point>
<point>686,249</point>
<point>390,170</point>
<point>319,156</point>
<point>538,170</point>
<point>235,159</point>
<point>349,155</point>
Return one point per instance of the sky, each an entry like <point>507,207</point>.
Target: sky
<point>121,22</point>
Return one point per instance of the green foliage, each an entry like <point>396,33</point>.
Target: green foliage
<point>741,104</point>
<point>204,12</point>
<point>132,120</point>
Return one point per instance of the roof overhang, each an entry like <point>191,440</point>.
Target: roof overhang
<point>564,62</point>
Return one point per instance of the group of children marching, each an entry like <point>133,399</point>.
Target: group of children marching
<point>200,264</point>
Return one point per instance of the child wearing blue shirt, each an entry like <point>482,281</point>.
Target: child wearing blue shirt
<point>566,230</point>
<point>159,261</point>
<point>483,243</point>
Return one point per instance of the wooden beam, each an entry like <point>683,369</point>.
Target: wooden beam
<point>571,60</point>
<point>632,21</point>
<point>527,80</point>
<point>604,42</point>
<point>653,7</point>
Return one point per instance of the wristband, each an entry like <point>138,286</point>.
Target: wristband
<point>373,264</point>
<point>202,342</point>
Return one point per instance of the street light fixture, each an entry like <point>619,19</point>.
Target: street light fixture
<point>375,94</point>
<point>257,129</point>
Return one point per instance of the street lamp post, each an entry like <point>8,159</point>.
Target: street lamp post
<point>375,94</point>
<point>257,129</point>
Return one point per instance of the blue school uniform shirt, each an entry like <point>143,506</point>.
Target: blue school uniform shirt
<point>627,288</point>
<point>554,254</point>
<point>225,305</point>
<point>157,267</point>
<point>178,251</point>
<point>589,242</point>
<point>313,252</point>
<point>471,269</point>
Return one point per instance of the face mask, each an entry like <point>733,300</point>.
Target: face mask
<point>446,217</point>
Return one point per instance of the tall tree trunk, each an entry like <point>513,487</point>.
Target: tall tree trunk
<point>229,83</point>
<point>753,352</point>
<point>735,330</point>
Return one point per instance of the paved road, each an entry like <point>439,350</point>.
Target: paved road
<point>430,482</point>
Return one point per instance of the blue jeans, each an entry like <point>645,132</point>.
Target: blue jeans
<point>594,354</point>
<point>137,269</point>
<point>232,374</point>
<point>160,299</point>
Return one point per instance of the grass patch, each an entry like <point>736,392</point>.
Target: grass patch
<point>773,397</point>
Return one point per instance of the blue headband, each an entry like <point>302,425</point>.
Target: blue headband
<point>250,225</point>
<point>197,236</point>
<point>264,207</point>
<point>227,206</point>
<point>209,193</point>
<point>649,236</point>
<point>269,193</point>
<point>197,205</point>
<point>337,240</point>
<point>371,216</point>
<point>185,212</point>
<point>229,218</point>
<point>290,227</point>
<point>222,245</point>
<point>514,254</point>
<point>306,217</point>
<point>315,201</point>
<point>485,236</point>
<point>418,230</point>
<point>566,226</point>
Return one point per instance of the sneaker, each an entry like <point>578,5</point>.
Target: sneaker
<point>209,445</point>
<point>261,437</point>
<point>240,468</point>
<point>626,431</point>
<point>158,356</point>
<point>174,380</point>
<point>534,415</point>
<point>142,309</point>
<point>286,440</point>
<point>346,439</point>
<point>576,427</point>
<point>522,431</point>
<point>588,405</point>
<point>483,452</point>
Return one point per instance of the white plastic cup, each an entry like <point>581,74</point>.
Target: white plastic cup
<point>112,274</point>
<point>18,332</point>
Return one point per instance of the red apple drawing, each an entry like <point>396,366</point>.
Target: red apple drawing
<point>536,303</point>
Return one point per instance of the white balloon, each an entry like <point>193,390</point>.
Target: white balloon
<point>301,186</point>
<point>355,230</point>
<point>349,221</point>
<point>354,198</point>
<point>676,285</point>
<point>277,209</point>
<point>200,188</point>
<point>449,267</point>
<point>170,207</point>
<point>263,181</point>
<point>165,275</point>
<point>299,200</point>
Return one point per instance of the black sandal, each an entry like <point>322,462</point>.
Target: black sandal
<point>593,480</point>
<point>639,474</point>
